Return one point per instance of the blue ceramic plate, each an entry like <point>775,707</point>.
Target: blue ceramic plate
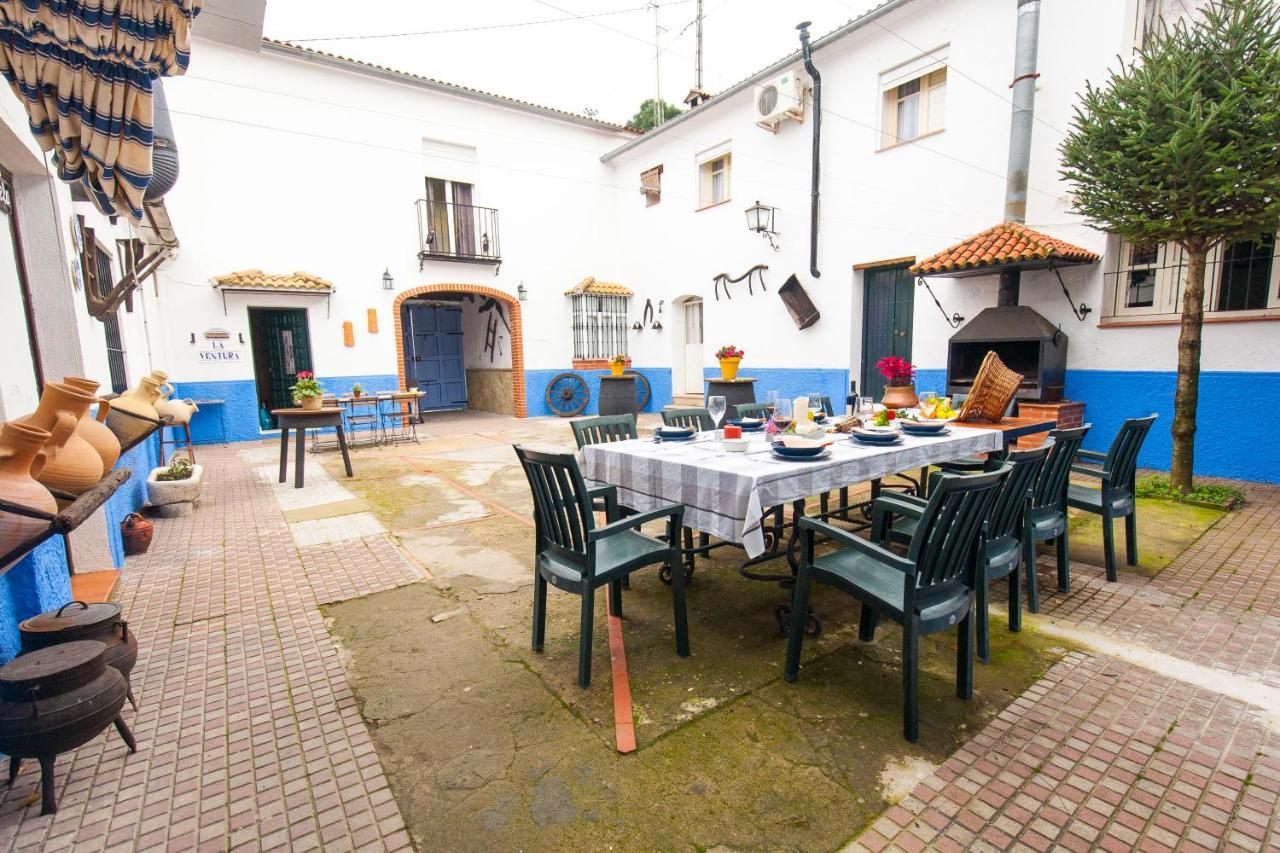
<point>928,433</point>
<point>673,437</point>
<point>749,426</point>
<point>797,452</point>
<point>877,437</point>
<point>777,452</point>
<point>673,431</point>
<point>920,427</point>
<point>876,442</point>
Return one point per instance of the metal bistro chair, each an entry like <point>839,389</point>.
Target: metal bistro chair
<point>926,592</point>
<point>572,554</point>
<point>1047,517</point>
<point>698,417</point>
<point>1114,499</point>
<point>1001,554</point>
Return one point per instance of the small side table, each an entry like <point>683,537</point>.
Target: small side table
<point>734,391</point>
<point>300,420</point>
<point>618,395</point>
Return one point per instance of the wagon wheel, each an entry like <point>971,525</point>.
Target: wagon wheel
<point>642,390</point>
<point>567,395</point>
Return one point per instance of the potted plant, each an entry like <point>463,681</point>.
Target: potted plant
<point>900,375</point>
<point>306,391</point>
<point>174,489</point>
<point>730,357</point>
<point>617,364</point>
<point>357,390</point>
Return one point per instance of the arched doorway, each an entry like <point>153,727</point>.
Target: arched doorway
<point>510,315</point>
<point>686,359</point>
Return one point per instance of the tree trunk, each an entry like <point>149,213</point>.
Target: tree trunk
<point>1187,395</point>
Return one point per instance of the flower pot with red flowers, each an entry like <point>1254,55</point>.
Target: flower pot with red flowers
<point>729,357</point>
<point>900,388</point>
<point>306,391</point>
<point>617,364</point>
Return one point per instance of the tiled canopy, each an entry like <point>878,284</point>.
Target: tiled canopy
<point>599,288</point>
<point>1009,244</point>
<point>259,280</point>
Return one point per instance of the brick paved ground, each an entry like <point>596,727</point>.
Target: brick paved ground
<point>1105,754</point>
<point>249,737</point>
<point>248,734</point>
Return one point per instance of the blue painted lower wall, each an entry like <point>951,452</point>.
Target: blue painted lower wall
<point>237,418</point>
<point>535,384</point>
<point>1222,449</point>
<point>40,581</point>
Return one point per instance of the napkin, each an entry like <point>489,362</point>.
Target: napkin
<point>796,441</point>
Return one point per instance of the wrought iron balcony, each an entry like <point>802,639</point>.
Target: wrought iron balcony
<point>457,232</point>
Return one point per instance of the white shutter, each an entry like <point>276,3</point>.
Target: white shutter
<point>936,119</point>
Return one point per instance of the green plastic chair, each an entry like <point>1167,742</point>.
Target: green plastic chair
<point>1116,471</point>
<point>1047,518</point>
<point>698,417</point>
<point>574,555</point>
<point>753,410</point>
<point>604,429</point>
<point>1002,554</point>
<point>928,591</point>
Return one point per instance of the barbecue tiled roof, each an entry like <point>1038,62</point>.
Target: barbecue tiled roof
<point>1006,243</point>
<point>258,279</point>
<point>600,288</point>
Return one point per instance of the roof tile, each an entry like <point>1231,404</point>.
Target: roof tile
<point>264,281</point>
<point>1008,242</point>
<point>600,288</point>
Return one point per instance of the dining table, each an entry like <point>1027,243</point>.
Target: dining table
<point>726,493</point>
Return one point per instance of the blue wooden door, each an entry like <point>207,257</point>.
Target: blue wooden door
<point>433,354</point>
<point>887,308</point>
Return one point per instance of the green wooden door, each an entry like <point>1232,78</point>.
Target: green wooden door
<point>887,307</point>
<point>281,349</point>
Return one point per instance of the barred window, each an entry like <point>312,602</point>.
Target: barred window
<point>599,325</point>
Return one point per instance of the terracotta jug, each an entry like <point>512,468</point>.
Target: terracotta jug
<point>92,429</point>
<point>70,463</point>
<point>20,446</point>
<point>140,401</point>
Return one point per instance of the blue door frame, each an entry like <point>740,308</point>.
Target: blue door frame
<point>433,353</point>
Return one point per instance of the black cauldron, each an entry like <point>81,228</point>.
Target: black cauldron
<point>80,621</point>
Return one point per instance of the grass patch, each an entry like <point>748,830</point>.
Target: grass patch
<point>1156,487</point>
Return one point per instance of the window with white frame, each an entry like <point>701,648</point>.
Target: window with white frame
<point>1242,279</point>
<point>914,99</point>
<point>715,169</point>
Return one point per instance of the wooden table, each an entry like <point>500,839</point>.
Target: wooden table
<point>1015,428</point>
<point>300,420</point>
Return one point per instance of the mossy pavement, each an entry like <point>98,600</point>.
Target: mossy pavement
<point>491,746</point>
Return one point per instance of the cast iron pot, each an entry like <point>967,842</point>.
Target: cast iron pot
<point>80,621</point>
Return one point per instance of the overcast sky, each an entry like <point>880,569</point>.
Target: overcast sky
<point>604,62</point>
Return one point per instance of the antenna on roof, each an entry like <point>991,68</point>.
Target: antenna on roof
<point>697,74</point>
<point>658,111</point>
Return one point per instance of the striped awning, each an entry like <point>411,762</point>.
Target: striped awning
<point>84,71</point>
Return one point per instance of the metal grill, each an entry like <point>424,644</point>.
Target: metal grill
<point>462,232</point>
<point>599,325</point>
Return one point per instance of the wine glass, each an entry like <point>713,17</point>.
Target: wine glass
<point>716,406</point>
<point>815,405</point>
<point>782,414</point>
<point>866,407</point>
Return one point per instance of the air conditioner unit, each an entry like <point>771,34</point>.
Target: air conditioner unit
<point>778,99</point>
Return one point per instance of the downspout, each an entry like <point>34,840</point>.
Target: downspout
<point>817,146</point>
<point>1024,105</point>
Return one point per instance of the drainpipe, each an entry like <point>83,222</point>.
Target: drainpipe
<point>817,147</point>
<point>1024,103</point>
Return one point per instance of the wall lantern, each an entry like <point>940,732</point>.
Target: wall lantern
<point>760,220</point>
<point>521,293</point>
<point>388,283</point>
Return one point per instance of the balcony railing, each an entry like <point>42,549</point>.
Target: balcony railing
<point>457,232</point>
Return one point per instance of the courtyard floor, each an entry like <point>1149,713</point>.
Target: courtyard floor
<point>347,667</point>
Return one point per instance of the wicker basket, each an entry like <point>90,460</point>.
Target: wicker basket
<point>993,389</point>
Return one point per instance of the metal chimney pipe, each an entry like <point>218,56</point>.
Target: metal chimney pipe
<point>817,146</point>
<point>1024,105</point>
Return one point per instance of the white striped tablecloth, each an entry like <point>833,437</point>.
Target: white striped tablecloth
<point>725,493</point>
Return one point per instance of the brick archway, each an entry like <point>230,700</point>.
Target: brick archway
<point>517,332</point>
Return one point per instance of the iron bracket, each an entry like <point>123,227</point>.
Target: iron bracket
<point>955,319</point>
<point>1081,312</point>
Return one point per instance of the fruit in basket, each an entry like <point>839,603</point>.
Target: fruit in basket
<point>943,410</point>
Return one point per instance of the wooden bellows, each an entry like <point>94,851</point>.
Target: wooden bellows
<point>993,389</point>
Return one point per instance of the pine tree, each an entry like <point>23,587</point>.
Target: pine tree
<point>1182,145</point>
<point>646,118</point>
